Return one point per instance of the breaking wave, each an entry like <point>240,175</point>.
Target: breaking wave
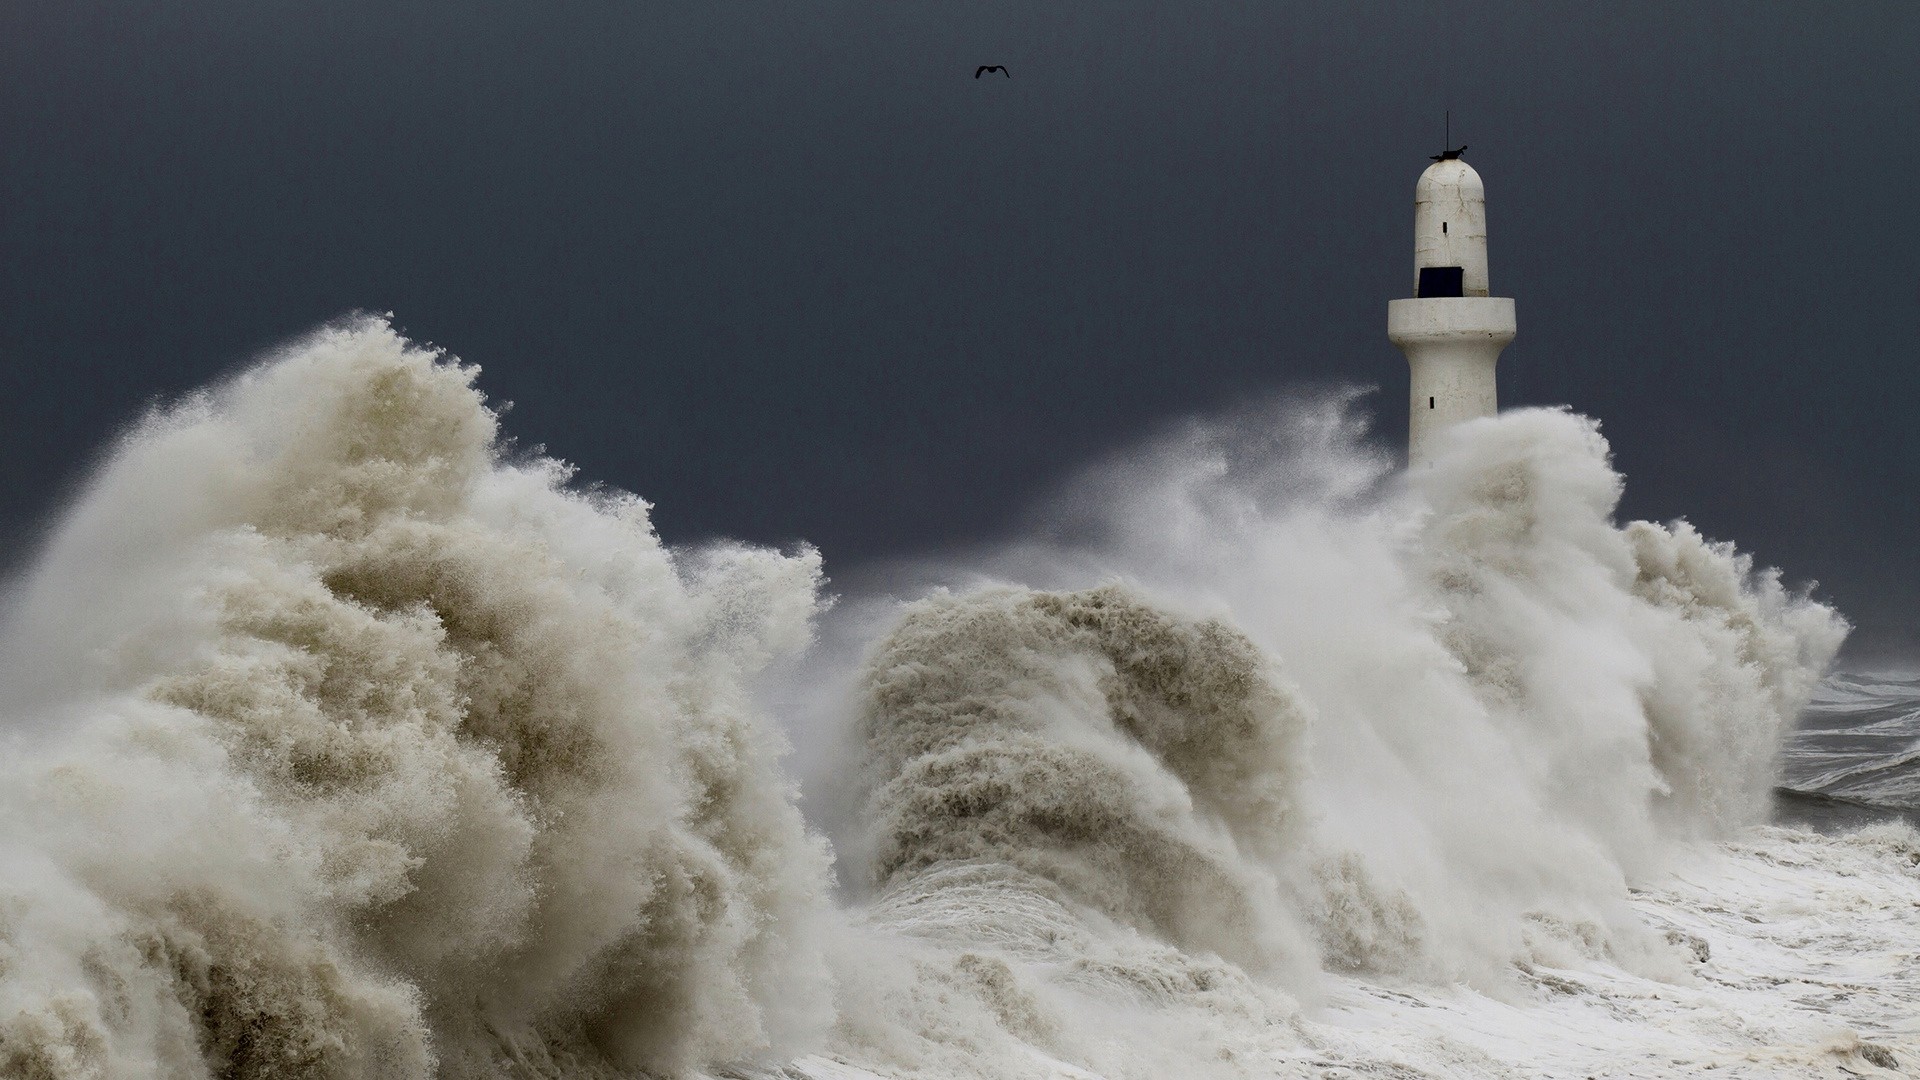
<point>344,746</point>
<point>1279,707</point>
<point>344,742</point>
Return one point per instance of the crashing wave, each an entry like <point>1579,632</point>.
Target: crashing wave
<point>344,743</point>
<point>345,746</point>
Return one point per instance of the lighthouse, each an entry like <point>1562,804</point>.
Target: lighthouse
<point>1452,329</point>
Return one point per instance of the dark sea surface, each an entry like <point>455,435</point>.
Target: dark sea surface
<point>1855,757</point>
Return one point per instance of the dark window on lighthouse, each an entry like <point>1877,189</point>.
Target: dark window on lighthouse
<point>1441,281</point>
<point>1429,403</point>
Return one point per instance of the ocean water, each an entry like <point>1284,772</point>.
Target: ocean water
<point>341,741</point>
<point>1855,755</point>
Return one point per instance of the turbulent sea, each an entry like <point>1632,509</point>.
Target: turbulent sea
<point>1856,755</point>
<point>342,740</point>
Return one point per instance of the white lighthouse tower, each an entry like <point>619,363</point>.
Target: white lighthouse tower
<point>1452,330</point>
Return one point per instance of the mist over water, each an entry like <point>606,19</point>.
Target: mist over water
<point>344,741</point>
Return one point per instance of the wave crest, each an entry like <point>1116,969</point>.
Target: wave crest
<point>1144,762</point>
<point>482,778</point>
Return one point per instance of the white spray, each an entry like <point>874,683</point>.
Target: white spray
<point>1286,709</point>
<point>342,745</point>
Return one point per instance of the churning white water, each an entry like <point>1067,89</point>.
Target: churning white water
<point>344,743</point>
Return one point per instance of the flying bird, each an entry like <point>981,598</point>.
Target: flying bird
<point>984,68</point>
<point>1449,155</point>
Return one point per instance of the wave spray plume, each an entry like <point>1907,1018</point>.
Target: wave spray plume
<point>343,742</point>
<point>344,746</point>
<point>1278,707</point>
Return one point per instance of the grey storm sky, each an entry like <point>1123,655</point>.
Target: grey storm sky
<point>789,271</point>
